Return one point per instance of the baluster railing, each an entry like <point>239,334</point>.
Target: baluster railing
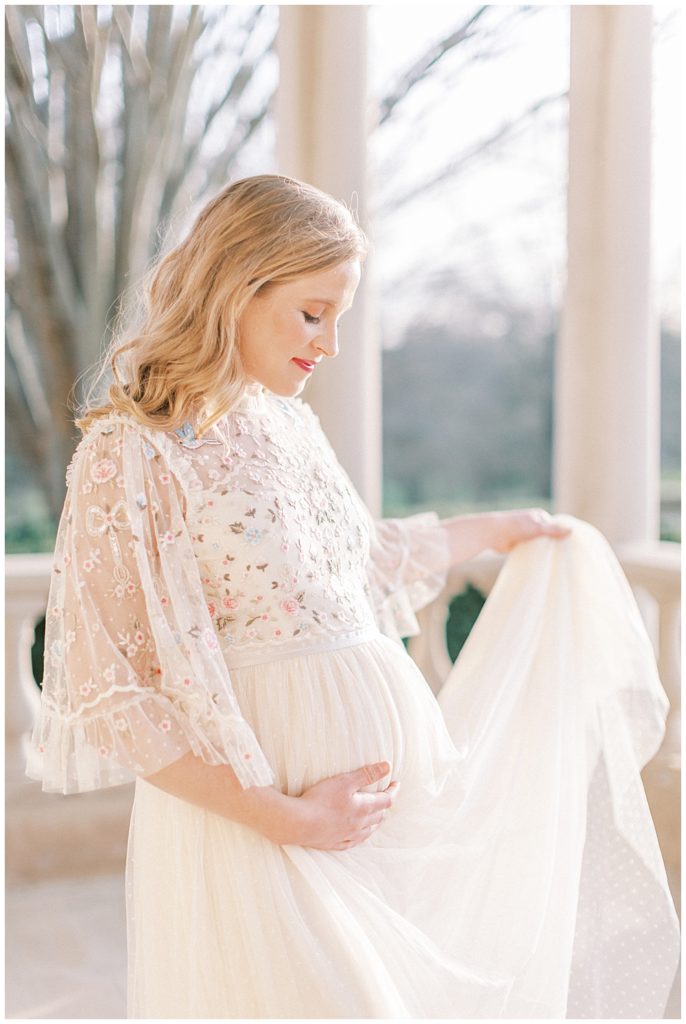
<point>652,570</point>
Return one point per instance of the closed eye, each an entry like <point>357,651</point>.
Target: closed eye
<point>310,319</point>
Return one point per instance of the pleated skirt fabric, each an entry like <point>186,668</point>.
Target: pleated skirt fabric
<point>518,873</point>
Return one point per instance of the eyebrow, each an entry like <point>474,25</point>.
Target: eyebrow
<point>326,302</point>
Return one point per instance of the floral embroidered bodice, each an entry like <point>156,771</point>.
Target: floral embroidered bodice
<point>179,559</point>
<point>281,536</point>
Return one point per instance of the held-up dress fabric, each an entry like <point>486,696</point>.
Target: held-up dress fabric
<point>231,595</point>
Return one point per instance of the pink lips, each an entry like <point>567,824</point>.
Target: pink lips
<point>308,367</point>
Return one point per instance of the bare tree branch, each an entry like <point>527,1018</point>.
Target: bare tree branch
<point>423,65</point>
<point>89,178</point>
<point>27,371</point>
<point>457,166</point>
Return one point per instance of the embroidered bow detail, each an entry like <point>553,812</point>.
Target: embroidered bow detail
<point>99,521</point>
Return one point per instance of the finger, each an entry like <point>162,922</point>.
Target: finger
<point>369,803</point>
<point>377,819</point>
<point>557,530</point>
<point>368,774</point>
<point>363,834</point>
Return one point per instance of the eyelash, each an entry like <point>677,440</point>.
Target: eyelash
<point>310,319</point>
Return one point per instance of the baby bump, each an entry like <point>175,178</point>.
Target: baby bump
<point>316,715</point>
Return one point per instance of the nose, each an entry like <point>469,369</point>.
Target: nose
<point>327,342</point>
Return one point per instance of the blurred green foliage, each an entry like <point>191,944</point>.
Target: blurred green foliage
<point>463,612</point>
<point>37,650</point>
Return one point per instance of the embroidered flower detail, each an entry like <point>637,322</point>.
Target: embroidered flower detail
<point>141,501</point>
<point>131,651</point>
<point>148,450</point>
<point>139,637</point>
<point>212,609</point>
<point>104,751</point>
<point>167,538</point>
<point>108,674</point>
<point>210,639</point>
<point>253,535</point>
<point>85,689</point>
<point>290,606</point>
<point>103,470</point>
<point>187,681</point>
<point>229,602</point>
<point>121,724</point>
<point>165,725</point>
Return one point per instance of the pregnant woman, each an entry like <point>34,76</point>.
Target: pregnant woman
<point>308,837</point>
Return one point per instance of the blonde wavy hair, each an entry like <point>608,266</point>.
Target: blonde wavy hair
<point>182,359</point>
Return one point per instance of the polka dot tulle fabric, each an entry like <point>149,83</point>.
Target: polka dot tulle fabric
<point>230,594</point>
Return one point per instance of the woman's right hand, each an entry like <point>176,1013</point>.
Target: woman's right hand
<point>334,814</point>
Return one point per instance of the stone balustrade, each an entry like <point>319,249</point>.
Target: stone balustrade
<point>653,571</point>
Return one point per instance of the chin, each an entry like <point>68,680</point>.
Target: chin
<point>286,389</point>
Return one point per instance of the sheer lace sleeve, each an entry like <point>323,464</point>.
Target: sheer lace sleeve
<point>134,677</point>
<point>408,565</point>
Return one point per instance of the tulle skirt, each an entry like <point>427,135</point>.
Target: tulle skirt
<point>517,874</point>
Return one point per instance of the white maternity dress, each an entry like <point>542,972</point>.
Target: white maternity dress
<point>232,596</point>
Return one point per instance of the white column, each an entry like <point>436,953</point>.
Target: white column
<point>607,446</point>
<point>322,125</point>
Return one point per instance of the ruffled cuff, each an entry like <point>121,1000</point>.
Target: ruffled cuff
<point>75,754</point>
<point>410,560</point>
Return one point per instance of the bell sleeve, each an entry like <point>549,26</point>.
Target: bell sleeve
<point>134,676</point>
<point>408,565</point>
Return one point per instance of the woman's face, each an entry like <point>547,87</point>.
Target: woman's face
<point>292,326</point>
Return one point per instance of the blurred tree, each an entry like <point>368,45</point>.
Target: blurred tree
<point>116,117</point>
<point>474,427</point>
<point>121,119</point>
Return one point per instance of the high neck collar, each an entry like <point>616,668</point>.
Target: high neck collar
<point>254,398</point>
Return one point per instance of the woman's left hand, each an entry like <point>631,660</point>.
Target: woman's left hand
<point>514,526</point>
<point>472,533</point>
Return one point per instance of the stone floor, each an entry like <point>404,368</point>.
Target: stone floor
<point>65,949</point>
